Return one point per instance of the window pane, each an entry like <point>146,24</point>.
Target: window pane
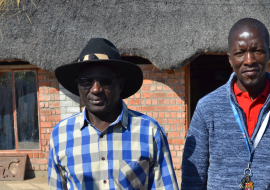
<point>26,108</point>
<point>7,138</point>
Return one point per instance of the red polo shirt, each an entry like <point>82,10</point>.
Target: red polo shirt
<point>251,108</point>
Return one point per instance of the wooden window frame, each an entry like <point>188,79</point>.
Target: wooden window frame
<point>12,69</point>
<point>187,94</point>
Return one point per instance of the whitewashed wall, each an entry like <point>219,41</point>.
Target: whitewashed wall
<point>69,103</point>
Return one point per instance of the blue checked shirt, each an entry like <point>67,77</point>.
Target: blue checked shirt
<point>132,153</point>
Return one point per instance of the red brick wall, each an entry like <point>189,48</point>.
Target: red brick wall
<point>162,97</point>
<point>49,115</point>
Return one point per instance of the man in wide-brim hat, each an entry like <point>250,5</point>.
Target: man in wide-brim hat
<point>107,146</point>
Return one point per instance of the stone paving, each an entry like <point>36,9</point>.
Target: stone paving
<point>41,183</point>
<point>37,183</point>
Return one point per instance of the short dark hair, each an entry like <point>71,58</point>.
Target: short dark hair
<point>247,23</point>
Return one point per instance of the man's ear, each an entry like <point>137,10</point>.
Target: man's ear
<point>229,58</point>
<point>121,84</point>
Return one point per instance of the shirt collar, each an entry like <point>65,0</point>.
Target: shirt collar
<point>237,91</point>
<point>264,93</point>
<point>230,89</point>
<point>123,117</point>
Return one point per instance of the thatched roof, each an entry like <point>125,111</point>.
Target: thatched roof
<point>169,33</point>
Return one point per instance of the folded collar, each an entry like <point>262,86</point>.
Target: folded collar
<point>264,93</point>
<point>123,117</point>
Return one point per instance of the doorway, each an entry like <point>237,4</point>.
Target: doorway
<point>207,73</point>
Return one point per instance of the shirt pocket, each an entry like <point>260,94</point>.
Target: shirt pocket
<point>133,174</point>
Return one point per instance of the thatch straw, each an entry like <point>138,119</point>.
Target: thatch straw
<point>34,4</point>
<point>1,35</point>
<point>7,5</point>
<point>28,18</point>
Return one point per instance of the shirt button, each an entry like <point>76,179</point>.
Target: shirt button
<point>250,119</point>
<point>103,158</point>
<point>104,181</point>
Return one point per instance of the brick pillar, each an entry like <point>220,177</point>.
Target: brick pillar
<point>162,97</point>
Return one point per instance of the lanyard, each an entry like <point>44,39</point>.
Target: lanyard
<point>258,136</point>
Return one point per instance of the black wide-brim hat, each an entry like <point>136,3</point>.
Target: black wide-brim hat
<point>101,51</point>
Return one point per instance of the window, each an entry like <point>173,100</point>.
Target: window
<point>19,125</point>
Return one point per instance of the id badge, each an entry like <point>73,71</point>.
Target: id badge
<point>249,186</point>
